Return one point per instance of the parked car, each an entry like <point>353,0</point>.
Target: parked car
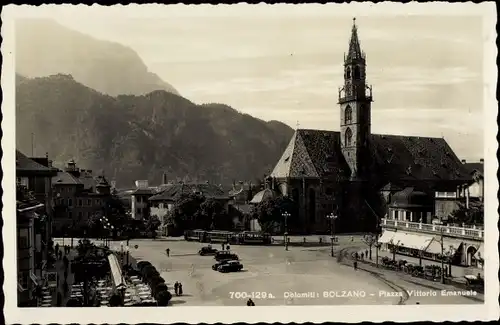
<point>215,267</point>
<point>230,266</point>
<point>225,255</point>
<point>207,250</point>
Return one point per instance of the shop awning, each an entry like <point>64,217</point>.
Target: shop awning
<point>412,241</point>
<point>386,237</point>
<point>434,247</point>
<point>451,244</point>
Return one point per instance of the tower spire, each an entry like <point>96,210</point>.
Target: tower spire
<point>354,47</point>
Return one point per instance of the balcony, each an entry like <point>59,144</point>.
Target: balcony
<point>450,231</point>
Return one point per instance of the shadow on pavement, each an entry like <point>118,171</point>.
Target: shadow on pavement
<point>177,302</point>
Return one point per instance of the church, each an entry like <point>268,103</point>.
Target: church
<point>352,172</point>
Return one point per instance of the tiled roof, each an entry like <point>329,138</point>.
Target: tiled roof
<point>316,153</point>
<point>65,178</point>
<point>174,191</point>
<point>26,164</point>
<point>143,191</point>
<point>311,153</point>
<point>476,166</point>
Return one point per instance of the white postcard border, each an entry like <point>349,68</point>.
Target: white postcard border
<point>377,313</point>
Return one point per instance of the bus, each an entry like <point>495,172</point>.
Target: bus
<point>254,238</point>
<point>221,237</point>
<point>195,235</point>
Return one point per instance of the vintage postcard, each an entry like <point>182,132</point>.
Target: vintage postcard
<point>317,162</point>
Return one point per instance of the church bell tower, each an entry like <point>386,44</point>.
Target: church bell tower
<point>355,99</point>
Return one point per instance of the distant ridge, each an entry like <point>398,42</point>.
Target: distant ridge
<point>44,47</point>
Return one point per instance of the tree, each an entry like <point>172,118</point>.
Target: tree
<point>213,215</point>
<point>370,240</point>
<point>270,212</point>
<point>115,300</point>
<point>163,298</point>
<point>186,210</point>
<point>152,223</point>
<point>474,215</point>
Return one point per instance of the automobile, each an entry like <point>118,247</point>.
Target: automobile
<point>215,267</point>
<point>230,266</point>
<point>207,250</point>
<point>225,255</point>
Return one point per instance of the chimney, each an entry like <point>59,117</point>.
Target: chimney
<point>481,161</point>
<point>164,178</point>
<point>47,155</point>
<point>464,161</point>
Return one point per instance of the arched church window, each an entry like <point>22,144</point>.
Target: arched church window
<point>348,115</point>
<point>348,137</point>
<point>357,73</point>
<point>348,73</point>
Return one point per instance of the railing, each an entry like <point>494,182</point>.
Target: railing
<point>422,227</point>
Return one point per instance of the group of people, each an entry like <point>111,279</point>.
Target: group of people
<point>178,288</point>
<point>250,302</point>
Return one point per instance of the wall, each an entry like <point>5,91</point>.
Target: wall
<point>444,207</point>
<point>25,256</point>
<point>476,189</point>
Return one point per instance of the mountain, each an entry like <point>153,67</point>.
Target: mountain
<point>139,137</point>
<point>44,47</point>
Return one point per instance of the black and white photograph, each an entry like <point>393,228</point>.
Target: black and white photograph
<point>286,157</point>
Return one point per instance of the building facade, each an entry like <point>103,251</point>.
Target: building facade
<point>346,172</point>
<point>34,219</point>
<point>79,195</point>
<point>139,198</point>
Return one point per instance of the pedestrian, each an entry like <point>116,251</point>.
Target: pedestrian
<point>180,289</point>
<point>356,256</point>
<point>168,252</point>
<point>60,255</point>
<point>56,248</point>
<point>227,247</point>
<point>362,256</point>
<point>355,265</point>
<point>176,288</point>
<point>366,253</point>
<point>222,246</point>
<point>352,238</point>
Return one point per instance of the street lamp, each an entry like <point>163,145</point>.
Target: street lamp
<point>332,218</point>
<point>285,216</point>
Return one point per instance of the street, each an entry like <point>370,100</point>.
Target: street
<point>274,276</point>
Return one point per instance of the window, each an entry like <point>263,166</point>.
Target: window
<point>348,73</point>
<point>80,202</point>
<point>23,239</point>
<point>348,137</point>
<point>396,215</point>
<point>357,73</point>
<point>70,202</point>
<point>89,202</point>
<point>80,215</point>
<point>97,202</point>
<point>70,215</point>
<point>408,216</point>
<point>348,115</point>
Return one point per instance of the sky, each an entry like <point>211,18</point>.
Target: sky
<point>286,63</point>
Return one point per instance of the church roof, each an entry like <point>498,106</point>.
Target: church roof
<point>317,153</point>
<point>354,46</point>
<point>311,153</point>
<point>263,195</point>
